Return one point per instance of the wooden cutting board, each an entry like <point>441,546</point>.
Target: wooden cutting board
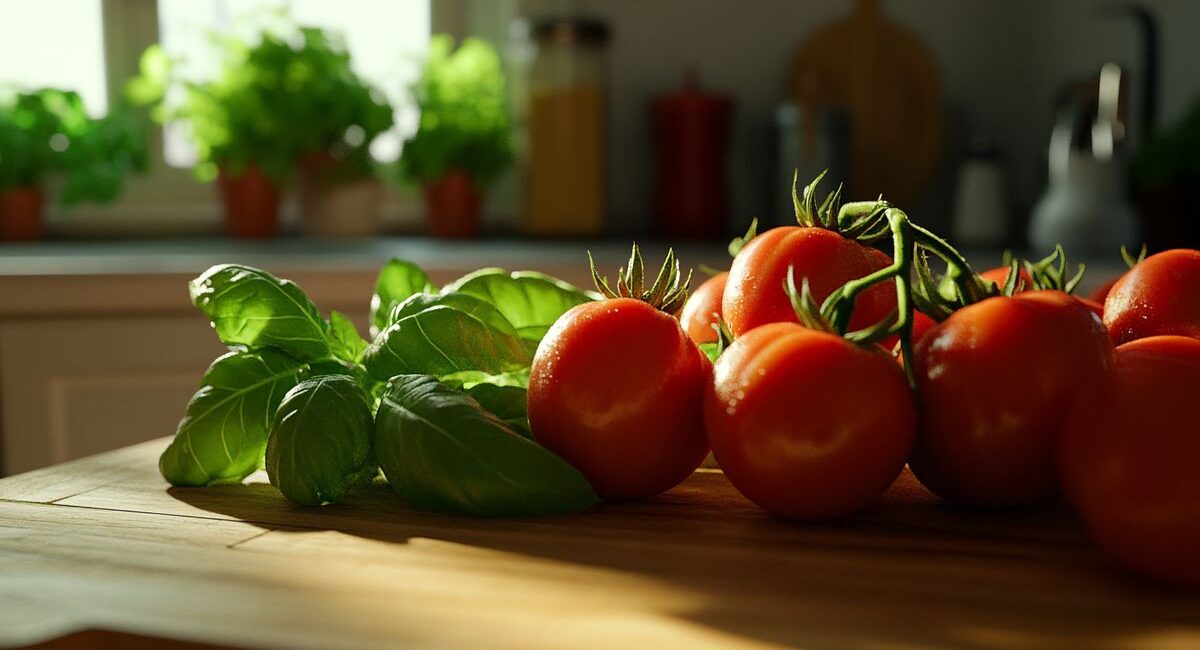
<point>888,84</point>
<point>99,553</point>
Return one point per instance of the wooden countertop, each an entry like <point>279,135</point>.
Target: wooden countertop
<point>102,545</point>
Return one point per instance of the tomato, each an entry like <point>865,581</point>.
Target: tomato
<point>754,292</point>
<point>993,381</point>
<point>1093,306</point>
<point>806,424</point>
<point>1159,295</point>
<point>1130,461</point>
<point>616,389</point>
<point>921,326</point>
<point>703,308</point>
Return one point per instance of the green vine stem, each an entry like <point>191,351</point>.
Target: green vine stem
<point>908,239</point>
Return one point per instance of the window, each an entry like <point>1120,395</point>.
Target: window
<point>32,53</point>
<point>384,39</point>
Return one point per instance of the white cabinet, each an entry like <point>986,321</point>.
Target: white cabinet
<point>74,387</point>
<point>71,388</point>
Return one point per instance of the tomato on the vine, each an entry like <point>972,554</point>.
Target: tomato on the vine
<point>617,388</point>
<point>1159,295</point>
<point>1130,461</point>
<point>806,424</point>
<point>754,292</point>
<point>703,309</point>
<point>993,381</point>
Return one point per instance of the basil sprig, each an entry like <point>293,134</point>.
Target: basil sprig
<point>436,400</point>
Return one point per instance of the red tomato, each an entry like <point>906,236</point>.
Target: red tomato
<point>999,275</point>
<point>1130,461</point>
<point>994,380</point>
<point>703,308</point>
<point>1160,295</point>
<point>1093,306</point>
<point>921,326</point>
<point>616,389</point>
<point>806,424</point>
<point>754,292</point>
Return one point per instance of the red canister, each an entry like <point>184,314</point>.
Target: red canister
<point>691,131</point>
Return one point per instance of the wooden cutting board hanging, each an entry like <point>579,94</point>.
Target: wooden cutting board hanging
<point>887,82</point>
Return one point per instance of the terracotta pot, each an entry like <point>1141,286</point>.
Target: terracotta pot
<point>21,214</point>
<point>452,203</point>
<point>251,202</point>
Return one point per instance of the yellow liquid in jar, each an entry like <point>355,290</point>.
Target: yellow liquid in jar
<point>566,162</point>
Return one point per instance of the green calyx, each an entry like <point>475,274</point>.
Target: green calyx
<point>862,221</point>
<point>1130,260</point>
<point>667,294</point>
<point>1049,272</point>
<point>738,243</point>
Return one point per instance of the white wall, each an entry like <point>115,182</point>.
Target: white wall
<point>1002,62</point>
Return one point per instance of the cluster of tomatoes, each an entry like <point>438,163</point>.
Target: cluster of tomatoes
<point>1013,395</point>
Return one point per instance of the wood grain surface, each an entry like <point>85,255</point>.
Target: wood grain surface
<point>100,553</point>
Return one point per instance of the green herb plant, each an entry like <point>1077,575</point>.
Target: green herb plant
<point>435,402</point>
<point>48,132</point>
<point>291,93</point>
<point>464,121</point>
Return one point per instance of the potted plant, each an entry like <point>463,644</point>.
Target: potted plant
<point>463,139</point>
<point>47,132</point>
<point>285,95</point>
<point>342,114</point>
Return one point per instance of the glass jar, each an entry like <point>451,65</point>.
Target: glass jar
<point>565,187</point>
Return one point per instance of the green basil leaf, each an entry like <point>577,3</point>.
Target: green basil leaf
<point>253,308</point>
<point>397,280</point>
<point>344,340</point>
<point>320,440</point>
<point>439,338</point>
<point>480,309</point>
<point>470,378</point>
<point>223,433</point>
<point>440,450</point>
<point>505,402</point>
<point>531,301</point>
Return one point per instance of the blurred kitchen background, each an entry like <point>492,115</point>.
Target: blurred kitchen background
<point>143,140</point>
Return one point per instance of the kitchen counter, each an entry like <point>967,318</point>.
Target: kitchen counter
<point>102,551</point>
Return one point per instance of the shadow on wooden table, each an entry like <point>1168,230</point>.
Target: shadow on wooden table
<point>106,640</point>
<point>908,572</point>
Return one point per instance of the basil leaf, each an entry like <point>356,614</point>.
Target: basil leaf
<point>437,337</point>
<point>397,280</point>
<point>505,402</point>
<point>469,378</point>
<point>320,440</point>
<point>482,310</point>
<point>531,301</point>
<point>344,340</point>
<point>253,308</point>
<point>224,430</point>
<point>440,450</point>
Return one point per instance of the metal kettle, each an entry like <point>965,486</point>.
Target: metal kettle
<point>1086,207</point>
